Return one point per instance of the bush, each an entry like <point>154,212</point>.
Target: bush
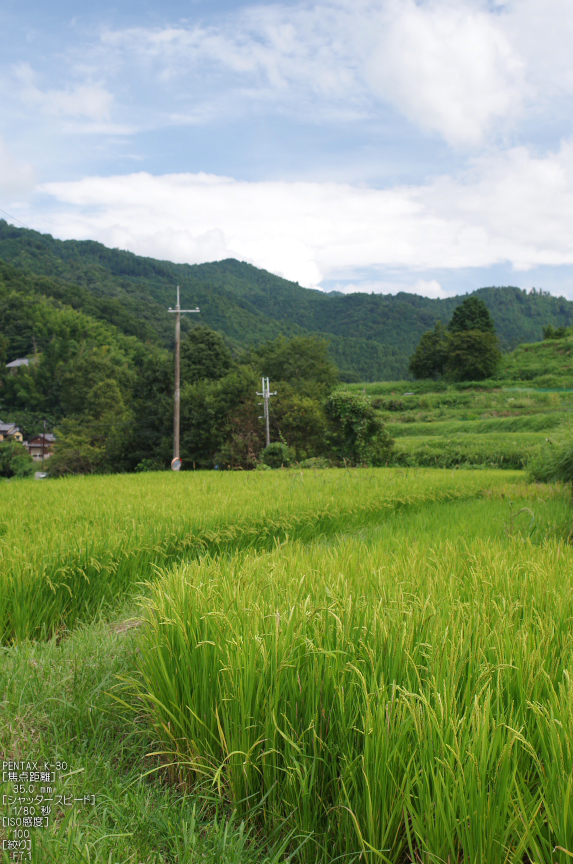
<point>357,434</point>
<point>277,455</point>
<point>15,461</point>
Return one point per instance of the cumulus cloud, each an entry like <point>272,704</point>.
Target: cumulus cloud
<point>448,66</point>
<point>512,207</point>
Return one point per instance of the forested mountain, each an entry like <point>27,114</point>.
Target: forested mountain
<point>371,336</point>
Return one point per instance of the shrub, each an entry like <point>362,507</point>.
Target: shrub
<point>357,434</point>
<point>15,461</point>
<point>277,454</point>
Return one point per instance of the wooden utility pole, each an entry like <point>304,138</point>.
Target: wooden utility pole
<point>266,394</point>
<point>176,461</point>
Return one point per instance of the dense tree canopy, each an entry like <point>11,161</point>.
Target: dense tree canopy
<point>303,362</point>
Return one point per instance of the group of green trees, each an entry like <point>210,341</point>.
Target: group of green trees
<point>466,350</point>
<point>550,332</point>
<point>114,430</point>
<point>109,393</point>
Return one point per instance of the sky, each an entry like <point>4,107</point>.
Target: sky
<point>357,145</point>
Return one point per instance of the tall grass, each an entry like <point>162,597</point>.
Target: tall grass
<point>392,701</point>
<point>554,461</point>
<point>70,547</point>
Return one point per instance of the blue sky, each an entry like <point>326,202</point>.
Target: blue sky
<point>363,145</point>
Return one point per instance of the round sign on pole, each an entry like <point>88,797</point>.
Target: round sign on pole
<point>176,464</point>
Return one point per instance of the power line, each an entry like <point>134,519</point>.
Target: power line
<point>13,218</point>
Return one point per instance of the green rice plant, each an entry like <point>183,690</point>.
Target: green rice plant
<point>462,779</point>
<point>80,545</point>
<point>58,703</point>
<point>552,742</point>
<point>375,695</point>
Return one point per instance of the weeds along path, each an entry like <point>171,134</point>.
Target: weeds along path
<point>76,546</point>
<point>401,696</point>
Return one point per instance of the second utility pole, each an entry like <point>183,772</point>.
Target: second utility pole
<point>266,394</point>
<point>176,463</point>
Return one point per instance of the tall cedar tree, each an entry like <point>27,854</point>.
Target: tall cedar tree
<point>471,314</point>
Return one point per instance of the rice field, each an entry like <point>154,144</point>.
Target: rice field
<point>78,544</point>
<point>350,666</point>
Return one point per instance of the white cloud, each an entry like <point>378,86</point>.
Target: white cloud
<point>17,178</point>
<point>542,30</point>
<point>516,206</point>
<point>88,100</point>
<point>428,288</point>
<point>448,66</point>
<point>465,70</point>
<point>511,207</point>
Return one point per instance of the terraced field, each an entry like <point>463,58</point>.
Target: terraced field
<point>473,426</point>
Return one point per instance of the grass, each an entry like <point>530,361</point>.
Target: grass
<point>487,426</point>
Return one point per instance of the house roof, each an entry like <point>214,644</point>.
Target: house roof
<point>8,427</point>
<point>20,361</point>
<point>36,440</point>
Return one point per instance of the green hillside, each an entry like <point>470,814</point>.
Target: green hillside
<point>371,336</point>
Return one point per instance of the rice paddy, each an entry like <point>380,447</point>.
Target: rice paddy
<point>367,665</point>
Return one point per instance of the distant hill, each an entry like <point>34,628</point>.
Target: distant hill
<point>371,336</point>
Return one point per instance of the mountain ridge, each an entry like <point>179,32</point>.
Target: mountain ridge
<point>371,335</point>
